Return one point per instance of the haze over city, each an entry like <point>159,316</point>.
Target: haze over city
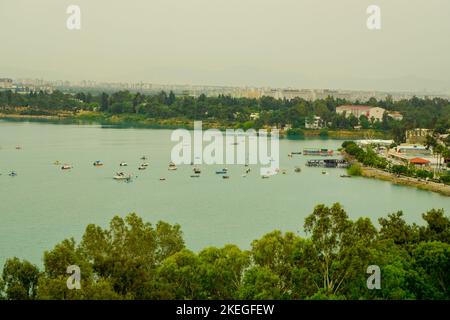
<point>283,43</point>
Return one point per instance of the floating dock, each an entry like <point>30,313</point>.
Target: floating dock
<point>328,163</point>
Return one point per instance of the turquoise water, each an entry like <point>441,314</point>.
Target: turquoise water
<point>44,204</point>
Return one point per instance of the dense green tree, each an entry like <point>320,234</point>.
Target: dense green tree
<point>341,246</point>
<point>19,279</point>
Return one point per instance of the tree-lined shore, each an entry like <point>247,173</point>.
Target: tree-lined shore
<point>166,109</point>
<point>133,259</point>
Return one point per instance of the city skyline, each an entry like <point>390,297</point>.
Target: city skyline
<point>287,43</point>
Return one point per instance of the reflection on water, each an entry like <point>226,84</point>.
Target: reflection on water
<point>43,204</point>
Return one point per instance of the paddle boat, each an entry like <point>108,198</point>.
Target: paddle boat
<point>172,166</point>
<point>122,176</point>
<point>98,163</point>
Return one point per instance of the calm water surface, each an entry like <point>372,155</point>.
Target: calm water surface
<point>44,205</point>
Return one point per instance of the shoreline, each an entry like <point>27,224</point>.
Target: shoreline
<point>133,121</point>
<point>374,173</point>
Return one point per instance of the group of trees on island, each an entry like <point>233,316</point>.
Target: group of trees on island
<point>417,113</point>
<point>133,259</point>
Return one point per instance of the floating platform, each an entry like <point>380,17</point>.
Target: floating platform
<point>327,163</point>
<point>318,152</point>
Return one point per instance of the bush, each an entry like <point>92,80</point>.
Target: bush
<point>323,133</point>
<point>355,170</point>
<point>400,169</point>
<point>423,174</point>
<point>445,178</point>
<point>295,133</point>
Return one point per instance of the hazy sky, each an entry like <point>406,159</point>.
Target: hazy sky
<point>297,43</point>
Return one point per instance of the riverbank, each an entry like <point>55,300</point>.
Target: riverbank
<point>374,173</point>
<point>406,181</point>
<point>140,121</point>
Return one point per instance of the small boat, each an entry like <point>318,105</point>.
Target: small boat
<point>57,163</point>
<point>122,176</point>
<point>197,170</point>
<point>18,148</point>
<point>12,174</point>
<point>98,163</point>
<point>297,169</point>
<point>66,167</point>
<point>141,167</point>
<point>246,165</point>
<point>283,171</point>
<point>172,166</point>
<point>221,172</point>
<point>123,164</point>
<point>144,158</point>
<point>225,177</point>
<point>146,164</point>
<point>265,176</point>
<point>295,152</point>
<point>345,176</point>
<point>324,172</point>
<point>244,176</point>
<point>247,171</point>
<point>162,179</point>
<point>195,176</point>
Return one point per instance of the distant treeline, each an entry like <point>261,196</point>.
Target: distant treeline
<point>133,259</point>
<point>417,113</point>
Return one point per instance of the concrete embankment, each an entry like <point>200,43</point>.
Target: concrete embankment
<point>407,181</point>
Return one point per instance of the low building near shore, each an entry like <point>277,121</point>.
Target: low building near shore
<point>419,162</point>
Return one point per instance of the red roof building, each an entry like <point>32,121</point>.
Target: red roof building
<point>419,161</point>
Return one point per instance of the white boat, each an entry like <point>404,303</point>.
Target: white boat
<point>172,166</point>
<point>123,164</point>
<point>66,167</point>
<point>146,164</point>
<point>122,176</point>
<point>197,170</point>
<point>141,167</point>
